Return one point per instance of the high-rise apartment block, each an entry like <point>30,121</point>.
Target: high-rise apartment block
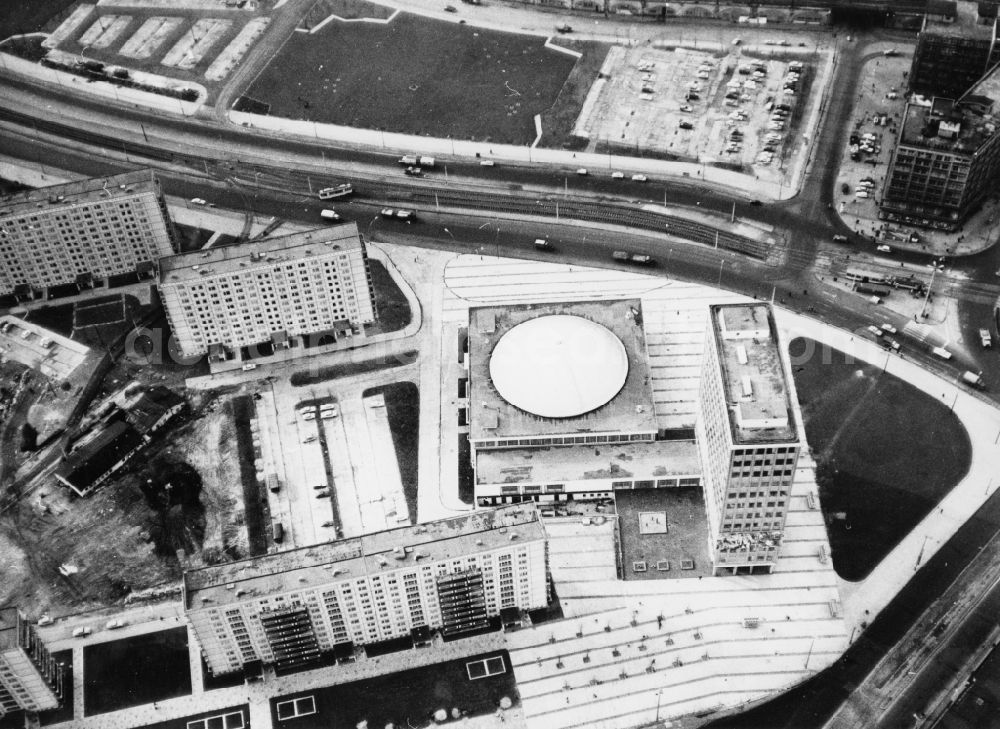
<point>947,159</point>
<point>748,434</point>
<point>98,228</point>
<point>290,607</point>
<point>30,679</point>
<point>957,44</point>
<point>274,292</point>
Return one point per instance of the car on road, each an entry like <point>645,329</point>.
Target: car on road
<point>413,172</point>
<point>388,212</point>
<point>890,53</point>
<point>542,244</point>
<point>617,175</point>
<point>329,214</point>
<point>883,249</point>
<point>641,258</point>
<point>322,494</point>
<point>840,239</point>
<point>198,201</point>
<point>639,178</point>
<point>564,28</point>
<point>450,9</point>
<point>582,171</point>
<point>406,215</point>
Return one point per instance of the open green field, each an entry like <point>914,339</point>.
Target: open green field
<point>416,76</point>
<point>886,453</point>
<point>18,16</point>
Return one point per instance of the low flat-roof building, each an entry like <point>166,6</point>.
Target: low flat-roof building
<point>561,402</point>
<point>286,293</point>
<point>290,607</point>
<point>30,679</point>
<point>98,227</point>
<point>748,435</point>
<point>55,356</point>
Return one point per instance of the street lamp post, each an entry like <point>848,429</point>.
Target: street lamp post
<point>935,267</point>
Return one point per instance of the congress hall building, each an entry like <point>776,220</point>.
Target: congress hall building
<point>561,408</point>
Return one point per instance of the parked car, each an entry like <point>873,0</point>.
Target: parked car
<point>82,631</point>
<point>115,624</point>
<point>639,178</point>
<point>198,201</point>
<point>985,339</point>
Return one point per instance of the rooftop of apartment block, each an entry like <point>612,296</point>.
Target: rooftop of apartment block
<point>264,253</point>
<point>559,369</point>
<point>321,564</point>
<point>91,190</point>
<point>753,377</point>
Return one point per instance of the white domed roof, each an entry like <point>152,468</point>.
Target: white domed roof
<point>559,366</point>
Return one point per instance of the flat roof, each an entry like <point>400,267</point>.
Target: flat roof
<point>559,464</point>
<point>93,189</point>
<point>54,355</point>
<point>964,21</point>
<point>970,119</point>
<point>753,378</point>
<point>322,564</point>
<point>630,408</point>
<point>259,254</point>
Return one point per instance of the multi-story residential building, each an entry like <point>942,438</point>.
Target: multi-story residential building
<point>30,679</point>
<point>957,44</point>
<point>87,229</point>
<point>749,438</point>
<point>290,607</point>
<point>947,159</point>
<point>286,292</point>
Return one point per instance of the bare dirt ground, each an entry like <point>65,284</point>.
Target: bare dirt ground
<point>179,504</point>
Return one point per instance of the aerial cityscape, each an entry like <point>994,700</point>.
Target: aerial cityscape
<point>611,364</point>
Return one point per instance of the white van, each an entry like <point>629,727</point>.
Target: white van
<point>329,214</point>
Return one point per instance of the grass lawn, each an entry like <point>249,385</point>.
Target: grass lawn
<point>882,448</point>
<point>392,311</point>
<point>558,121</point>
<point>254,503</point>
<point>347,9</point>
<point>407,698</point>
<point>136,671</point>
<point>28,17</point>
<point>315,376</point>
<point>402,404</point>
<point>417,76</point>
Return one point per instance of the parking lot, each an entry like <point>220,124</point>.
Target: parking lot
<point>738,107</point>
<point>879,105</point>
<point>323,484</point>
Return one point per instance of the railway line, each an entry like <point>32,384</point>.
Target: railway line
<point>422,193</point>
